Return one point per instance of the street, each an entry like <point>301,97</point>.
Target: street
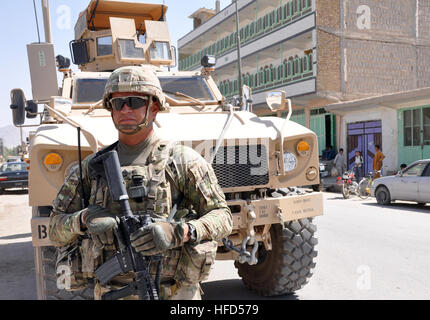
<point>365,251</point>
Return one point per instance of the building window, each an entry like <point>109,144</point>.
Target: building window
<point>426,125</point>
<point>415,122</point>
<point>318,111</point>
<point>412,127</point>
<point>407,128</point>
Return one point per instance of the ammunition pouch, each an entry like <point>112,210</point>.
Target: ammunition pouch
<point>76,264</point>
<point>195,262</point>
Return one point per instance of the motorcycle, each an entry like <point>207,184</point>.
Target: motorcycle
<point>349,185</point>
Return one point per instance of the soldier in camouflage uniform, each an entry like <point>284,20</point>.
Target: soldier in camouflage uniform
<point>171,174</point>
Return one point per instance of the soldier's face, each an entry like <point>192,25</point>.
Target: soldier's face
<point>127,117</point>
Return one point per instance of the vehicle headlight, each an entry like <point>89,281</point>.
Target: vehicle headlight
<point>290,161</point>
<point>322,167</point>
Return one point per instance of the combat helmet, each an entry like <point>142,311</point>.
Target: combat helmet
<point>134,79</point>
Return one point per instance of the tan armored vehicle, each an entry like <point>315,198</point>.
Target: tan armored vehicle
<point>258,160</point>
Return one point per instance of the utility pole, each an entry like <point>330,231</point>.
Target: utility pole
<point>47,21</point>
<point>239,58</point>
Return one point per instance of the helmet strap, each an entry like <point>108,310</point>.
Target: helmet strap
<point>136,129</point>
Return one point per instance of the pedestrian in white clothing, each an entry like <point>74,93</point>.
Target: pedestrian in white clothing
<point>340,162</point>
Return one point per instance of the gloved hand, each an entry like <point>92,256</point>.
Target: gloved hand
<point>101,224</point>
<point>158,237</point>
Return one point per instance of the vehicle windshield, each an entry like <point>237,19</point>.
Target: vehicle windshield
<point>13,167</point>
<point>195,87</point>
<point>88,91</point>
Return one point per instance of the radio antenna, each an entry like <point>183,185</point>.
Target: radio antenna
<point>37,21</point>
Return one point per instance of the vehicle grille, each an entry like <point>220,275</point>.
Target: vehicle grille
<point>241,166</point>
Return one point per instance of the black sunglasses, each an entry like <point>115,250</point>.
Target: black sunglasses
<point>133,102</point>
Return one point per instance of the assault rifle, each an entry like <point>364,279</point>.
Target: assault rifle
<point>106,166</point>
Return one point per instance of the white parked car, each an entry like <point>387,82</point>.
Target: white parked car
<point>413,184</point>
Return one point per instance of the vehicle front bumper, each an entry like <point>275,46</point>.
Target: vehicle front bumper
<point>276,210</point>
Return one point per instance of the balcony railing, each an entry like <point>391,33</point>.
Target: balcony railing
<point>275,19</point>
<point>292,70</point>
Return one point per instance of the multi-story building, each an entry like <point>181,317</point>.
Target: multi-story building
<point>319,52</point>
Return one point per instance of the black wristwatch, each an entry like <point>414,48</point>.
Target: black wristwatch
<point>192,233</point>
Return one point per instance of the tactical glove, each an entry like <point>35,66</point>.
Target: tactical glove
<point>101,224</point>
<point>158,237</point>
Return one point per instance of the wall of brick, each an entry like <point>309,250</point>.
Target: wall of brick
<point>328,63</point>
<point>424,19</point>
<point>378,67</point>
<point>328,46</point>
<point>328,13</point>
<point>423,67</point>
<point>392,17</point>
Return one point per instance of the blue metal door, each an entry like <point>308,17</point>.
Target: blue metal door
<point>363,136</point>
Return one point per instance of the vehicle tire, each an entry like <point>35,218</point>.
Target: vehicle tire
<point>47,280</point>
<point>383,195</point>
<point>288,266</point>
<point>345,192</point>
<point>364,188</point>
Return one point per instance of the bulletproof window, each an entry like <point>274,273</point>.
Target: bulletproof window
<point>104,46</point>
<point>142,38</point>
<point>89,90</point>
<point>128,49</point>
<point>195,87</point>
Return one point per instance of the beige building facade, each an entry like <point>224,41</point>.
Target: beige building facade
<point>321,52</point>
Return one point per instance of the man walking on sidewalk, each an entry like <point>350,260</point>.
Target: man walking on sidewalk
<point>340,163</point>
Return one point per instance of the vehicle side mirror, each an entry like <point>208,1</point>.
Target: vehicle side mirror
<point>18,105</point>
<point>32,109</point>
<point>276,100</point>
<point>79,51</point>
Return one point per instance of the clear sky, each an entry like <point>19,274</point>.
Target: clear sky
<point>18,28</point>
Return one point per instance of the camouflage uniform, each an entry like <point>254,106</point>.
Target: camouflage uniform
<point>170,172</point>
